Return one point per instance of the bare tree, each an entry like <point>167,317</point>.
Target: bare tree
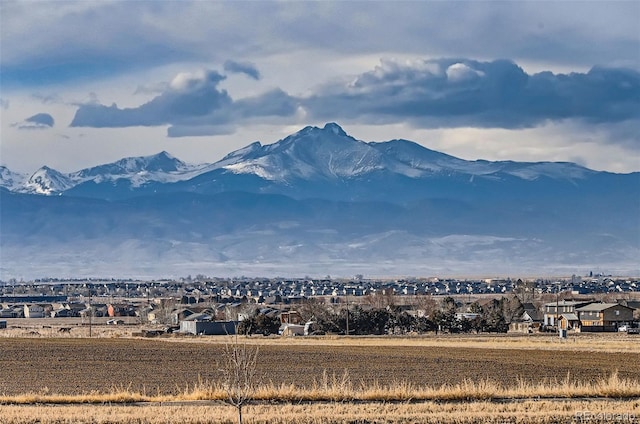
<point>238,368</point>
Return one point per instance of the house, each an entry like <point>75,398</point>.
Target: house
<point>528,322</point>
<point>11,312</point>
<point>62,313</point>
<point>531,312</point>
<point>180,315</point>
<point>33,311</point>
<point>553,310</point>
<point>120,310</point>
<point>601,317</point>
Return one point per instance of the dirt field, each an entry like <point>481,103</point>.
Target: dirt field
<point>80,365</point>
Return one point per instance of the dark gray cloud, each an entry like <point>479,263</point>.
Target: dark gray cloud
<point>467,93</point>
<point>41,119</point>
<point>192,104</point>
<point>37,122</point>
<point>444,93</point>
<point>188,96</point>
<point>246,68</point>
<point>61,44</point>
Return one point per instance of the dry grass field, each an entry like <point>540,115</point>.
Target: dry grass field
<point>527,412</point>
<point>402,375</point>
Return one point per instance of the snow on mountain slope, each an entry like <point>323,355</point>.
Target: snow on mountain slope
<point>47,181</point>
<point>310,154</point>
<point>162,167</point>
<point>329,153</point>
<point>419,158</point>
<point>534,170</point>
<point>11,180</point>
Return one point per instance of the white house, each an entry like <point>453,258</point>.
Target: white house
<point>33,311</point>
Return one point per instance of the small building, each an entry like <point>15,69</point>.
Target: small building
<point>290,317</point>
<point>604,317</point>
<point>290,330</point>
<point>3,324</point>
<point>569,322</point>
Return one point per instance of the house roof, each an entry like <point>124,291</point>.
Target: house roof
<point>566,303</point>
<point>597,307</point>
<point>570,317</point>
<point>532,313</point>
<point>198,317</point>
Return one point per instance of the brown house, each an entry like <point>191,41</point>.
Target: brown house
<point>604,316</point>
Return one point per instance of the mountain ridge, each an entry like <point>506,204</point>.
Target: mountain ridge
<point>312,156</point>
<point>320,202</point>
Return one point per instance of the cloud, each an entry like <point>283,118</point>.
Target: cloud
<point>246,68</point>
<point>442,93</point>
<point>4,104</point>
<point>448,93</point>
<point>156,88</point>
<point>459,72</point>
<point>59,42</point>
<point>38,121</point>
<point>192,104</point>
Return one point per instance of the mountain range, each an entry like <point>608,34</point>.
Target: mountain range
<point>319,202</point>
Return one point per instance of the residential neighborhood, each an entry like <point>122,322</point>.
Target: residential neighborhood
<point>204,305</point>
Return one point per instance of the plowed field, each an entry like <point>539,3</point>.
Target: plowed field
<point>74,366</point>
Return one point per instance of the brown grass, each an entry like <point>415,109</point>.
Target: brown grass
<point>342,389</point>
<point>534,412</point>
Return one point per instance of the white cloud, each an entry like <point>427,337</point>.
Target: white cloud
<point>459,72</point>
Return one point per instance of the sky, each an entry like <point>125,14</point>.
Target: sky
<point>90,82</point>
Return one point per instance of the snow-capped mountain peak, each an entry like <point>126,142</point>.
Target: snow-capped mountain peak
<point>11,180</point>
<point>47,181</point>
<point>161,162</point>
<point>326,158</point>
<point>312,153</point>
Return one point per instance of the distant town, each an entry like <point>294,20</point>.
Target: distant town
<point>357,306</point>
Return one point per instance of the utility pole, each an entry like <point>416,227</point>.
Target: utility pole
<point>347,299</point>
<point>557,307</point>
<point>90,313</point>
